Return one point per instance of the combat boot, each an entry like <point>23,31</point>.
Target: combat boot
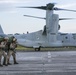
<point>14,58</point>
<point>16,63</point>
<point>5,64</point>
<point>9,64</point>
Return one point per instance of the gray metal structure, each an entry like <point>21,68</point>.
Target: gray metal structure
<point>49,36</point>
<point>2,33</point>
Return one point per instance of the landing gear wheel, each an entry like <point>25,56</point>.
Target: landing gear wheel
<point>37,49</point>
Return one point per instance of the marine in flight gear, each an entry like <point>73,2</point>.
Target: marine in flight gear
<point>13,45</point>
<point>2,50</point>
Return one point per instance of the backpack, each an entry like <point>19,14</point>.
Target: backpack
<point>10,39</point>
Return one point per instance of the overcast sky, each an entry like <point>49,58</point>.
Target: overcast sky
<point>13,21</point>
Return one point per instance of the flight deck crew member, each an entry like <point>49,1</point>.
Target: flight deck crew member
<point>2,50</point>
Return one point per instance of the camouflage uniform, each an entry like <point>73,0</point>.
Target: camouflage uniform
<point>11,51</point>
<point>2,51</point>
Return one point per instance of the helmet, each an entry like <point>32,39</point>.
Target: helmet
<point>14,39</point>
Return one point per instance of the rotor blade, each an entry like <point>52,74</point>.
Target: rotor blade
<point>64,9</point>
<point>42,7</point>
<point>45,18</point>
<point>47,7</point>
<point>66,18</point>
<point>34,17</point>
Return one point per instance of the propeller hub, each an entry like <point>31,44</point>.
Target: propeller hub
<point>50,6</point>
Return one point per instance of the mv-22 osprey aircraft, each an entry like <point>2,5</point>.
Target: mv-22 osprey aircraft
<point>49,36</point>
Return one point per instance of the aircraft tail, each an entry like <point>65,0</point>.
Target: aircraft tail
<point>1,30</point>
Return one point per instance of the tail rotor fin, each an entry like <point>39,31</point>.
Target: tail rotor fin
<point>1,30</point>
